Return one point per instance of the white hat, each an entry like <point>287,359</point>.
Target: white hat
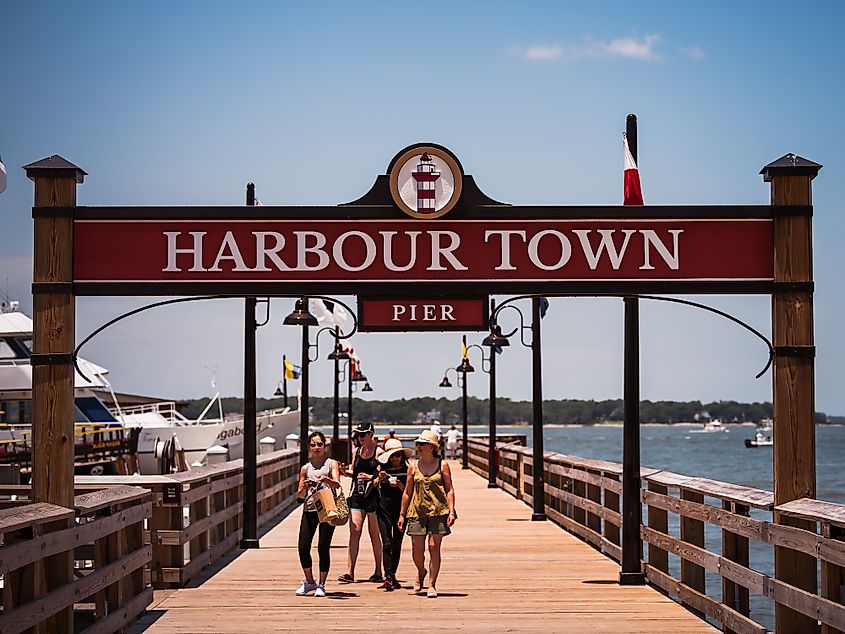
<point>391,446</point>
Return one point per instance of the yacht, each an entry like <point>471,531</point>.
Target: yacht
<point>162,438</point>
<point>763,435</point>
<point>710,426</point>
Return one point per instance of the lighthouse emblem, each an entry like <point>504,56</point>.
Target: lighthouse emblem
<point>425,181</point>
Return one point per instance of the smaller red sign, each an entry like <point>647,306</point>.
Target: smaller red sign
<point>422,314</point>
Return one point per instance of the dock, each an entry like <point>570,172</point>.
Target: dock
<point>501,572</point>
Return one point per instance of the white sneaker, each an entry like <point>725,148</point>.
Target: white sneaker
<point>306,587</point>
<point>320,591</point>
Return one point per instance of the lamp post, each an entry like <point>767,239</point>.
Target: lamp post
<point>538,468</point>
<point>462,371</point>
<point>301,316</point>
<point>353,376</point>
<point>494,341</point>
<point>337,355</point>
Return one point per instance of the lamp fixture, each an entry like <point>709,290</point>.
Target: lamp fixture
<point>465,366</point>
<point>495,339</point>
<point>300,315</point>
<point>445,382</point>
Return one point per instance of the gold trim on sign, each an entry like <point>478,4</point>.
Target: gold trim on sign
<point>456,175</point>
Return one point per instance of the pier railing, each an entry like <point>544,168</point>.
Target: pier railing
<point>195,516</point>
<point>583,496</point>
<point>101,540</point>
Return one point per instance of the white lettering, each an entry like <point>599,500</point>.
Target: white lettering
<point>606,244</point>
<point>369,244</point>
<point>428,312</point>
<point>387,240</point>
<point>229,244</point>
<point>650,237</point>
<point>413,312</point>
<point>302,250</point>
<point>446,311</point>
<point>534,247</point>
<point>438,250</point>
<point>172,251</point>
<point>398,309</point>
<point>262,251</point>
<point>505,235</point>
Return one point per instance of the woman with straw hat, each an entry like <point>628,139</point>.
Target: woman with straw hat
<point>393,473</point>
<point>428,508</point>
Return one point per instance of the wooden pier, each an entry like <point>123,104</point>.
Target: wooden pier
<point>501,572</point>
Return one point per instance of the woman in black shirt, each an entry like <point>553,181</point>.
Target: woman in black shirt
<point>393,474</point>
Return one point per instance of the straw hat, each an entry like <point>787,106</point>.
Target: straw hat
<point>392,446</point>
<point>428,437</point>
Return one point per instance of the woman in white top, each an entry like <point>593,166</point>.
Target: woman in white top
<point>320,471</point>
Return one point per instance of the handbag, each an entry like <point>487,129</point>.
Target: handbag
<point>342,511</point>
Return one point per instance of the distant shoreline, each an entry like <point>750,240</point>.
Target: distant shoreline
<point>576,425</point>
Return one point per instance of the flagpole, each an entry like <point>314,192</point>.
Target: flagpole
<point>250,500</point>
<point>284,381</point>
<point>632,511</point>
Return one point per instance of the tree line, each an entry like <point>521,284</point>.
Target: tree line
<point>508,412</point>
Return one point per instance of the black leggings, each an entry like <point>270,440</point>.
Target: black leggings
<point>307,528</point>
<point>391,540</point>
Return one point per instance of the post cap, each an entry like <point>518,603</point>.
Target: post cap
<point>55,166</point>
<point>790,165</point>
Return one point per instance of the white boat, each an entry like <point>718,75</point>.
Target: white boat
<point>711,426</point>
<point>160,428</point>
<point>161,425</point>
<point>762,437</point>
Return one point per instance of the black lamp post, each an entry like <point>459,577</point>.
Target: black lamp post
<point>494,341</point>
<point>538,468</point>
<point>301,316</point>
<point>353,377</point>
<point>463,369</point>
<point>337,355</point>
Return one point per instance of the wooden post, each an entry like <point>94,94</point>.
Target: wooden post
<point>735,548</point>
<point>53,328</point>
<point>692,532</point>
<point>658,519</point>
<point>793,391</point>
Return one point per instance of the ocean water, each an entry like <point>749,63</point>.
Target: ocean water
<point>719,456</point>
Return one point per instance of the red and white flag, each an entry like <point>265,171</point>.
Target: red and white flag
<point>633,190</point>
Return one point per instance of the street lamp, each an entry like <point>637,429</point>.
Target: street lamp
<point>352,376</point>
<point>496,339</point>
<point>462,383</point>
<point>337,355</point>
<point>301,316</point>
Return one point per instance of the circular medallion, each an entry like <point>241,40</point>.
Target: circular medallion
<point>425,182</point>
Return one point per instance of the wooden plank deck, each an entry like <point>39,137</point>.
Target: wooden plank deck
<point>500,573</point>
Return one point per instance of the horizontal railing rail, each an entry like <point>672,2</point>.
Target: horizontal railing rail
<point>583,497</point>
<point>101,540</point>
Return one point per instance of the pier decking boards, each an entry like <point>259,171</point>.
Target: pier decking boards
<point>501,572</point>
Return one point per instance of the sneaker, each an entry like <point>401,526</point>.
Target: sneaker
<point>320,591</point>
<point>419,584</point>
<point>306,587</point>
<point>396,585</point>
<point>387,585</point>
<point>432,593</point>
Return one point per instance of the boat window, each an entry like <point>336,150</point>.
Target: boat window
<point>16,411</point>
<point>26,343</point>
<point>94,410</point>
<point>6,351</point>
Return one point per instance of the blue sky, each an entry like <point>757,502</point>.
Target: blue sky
<point>183,103</point>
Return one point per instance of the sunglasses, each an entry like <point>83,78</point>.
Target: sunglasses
<point>317,444</point>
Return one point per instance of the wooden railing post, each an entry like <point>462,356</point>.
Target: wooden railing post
<point>611,502</point>
<point>692,532</point>
<point>53,343</point>
<point>658,519</point>
<point>833,575</point>
<point>594,493</point>
<point>793,391</point>
<point>735,548</point>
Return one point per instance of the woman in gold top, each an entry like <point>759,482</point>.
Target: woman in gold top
<point>428,508</point>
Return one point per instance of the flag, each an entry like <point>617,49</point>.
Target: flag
<point>292,371</point>
<point>2,176</point>
<point>464,351</point>
<point>544,307</point>
<point>329,313</point>
<point>633,190</point>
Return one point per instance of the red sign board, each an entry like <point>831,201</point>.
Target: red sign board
<point>422,314</point>
<point>513,250</point>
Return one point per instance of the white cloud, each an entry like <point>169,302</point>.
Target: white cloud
<point>693,52</point>
<point>543,52</point>
<point>643,49</point>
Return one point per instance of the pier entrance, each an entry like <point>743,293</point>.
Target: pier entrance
<point>426,234</point>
